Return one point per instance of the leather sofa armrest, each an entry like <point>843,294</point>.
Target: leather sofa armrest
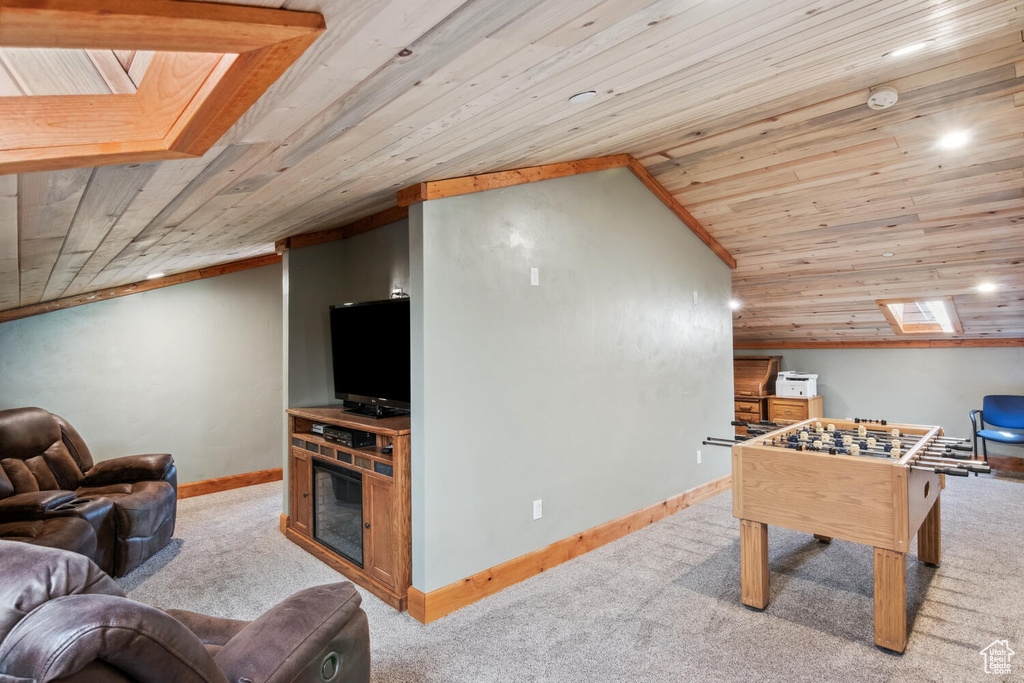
<point>301,637</point>
<point>66,634</point>
<point>209,630</point>
<point>129,469</point>
<point>33,505</point>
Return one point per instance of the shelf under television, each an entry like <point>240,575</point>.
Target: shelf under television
<point>369,452</point>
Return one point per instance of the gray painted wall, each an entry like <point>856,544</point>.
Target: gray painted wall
<point>187,369</point>
<point>362,268</point>
<point>591,392</point>
<point>920,386</point>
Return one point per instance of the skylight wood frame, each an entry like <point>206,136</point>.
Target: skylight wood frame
<point>214,63</point>
<point>901,328</point>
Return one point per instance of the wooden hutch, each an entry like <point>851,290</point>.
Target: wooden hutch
<point>754,378</point>
<point>386,518</point>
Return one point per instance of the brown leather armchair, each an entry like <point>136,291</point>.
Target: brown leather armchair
<point>49,486</point>
<point>64,620</point>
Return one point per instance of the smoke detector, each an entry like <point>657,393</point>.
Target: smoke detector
<point>882,98</point>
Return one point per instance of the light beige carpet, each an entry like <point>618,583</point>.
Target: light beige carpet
<point>659,605</point>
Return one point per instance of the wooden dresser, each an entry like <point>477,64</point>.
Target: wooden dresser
<point>754,378</point>
<point>786,409</point>
<point>386,519</point>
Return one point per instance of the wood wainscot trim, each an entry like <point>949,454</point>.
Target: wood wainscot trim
<point>659,191</point>
<point>452,187</point>
<point>234,481</point>
<point>893,344</point>
<point>357,227</point>
<point>137,287</point>
<point>428,607</point>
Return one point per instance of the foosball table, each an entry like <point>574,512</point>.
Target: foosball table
<point>865,481</point>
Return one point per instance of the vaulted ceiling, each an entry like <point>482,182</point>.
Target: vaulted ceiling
<point>752,113</point>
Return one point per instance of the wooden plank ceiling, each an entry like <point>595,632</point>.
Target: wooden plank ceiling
<point>751,113</point>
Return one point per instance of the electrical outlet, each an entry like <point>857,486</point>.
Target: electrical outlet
<point>535,277</point>
<point>698,457</point>
<point>537,513</point>
<point>696,298</point>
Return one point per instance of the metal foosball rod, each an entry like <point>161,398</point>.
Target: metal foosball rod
<point>951,471</point>
<point>719,441</point>
<point>951,441</point>
<point>959,464</point>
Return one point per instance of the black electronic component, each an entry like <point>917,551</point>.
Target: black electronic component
<point>351,438</point>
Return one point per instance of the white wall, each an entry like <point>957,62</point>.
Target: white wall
<point>936,386</point>
<point>190,370</point>
<point>591,392</point>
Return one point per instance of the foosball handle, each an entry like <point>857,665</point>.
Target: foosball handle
<point>957,456</point>
<point>962,447</point>
<point>953,471</point>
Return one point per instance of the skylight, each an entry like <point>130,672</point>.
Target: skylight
<point>927,315</point>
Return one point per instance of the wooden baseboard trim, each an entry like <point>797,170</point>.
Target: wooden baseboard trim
<point>235,481</point>
<point>428,607</point>
<point>1006,463</point>
<point>284,523</point>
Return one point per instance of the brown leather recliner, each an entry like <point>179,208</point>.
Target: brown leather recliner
<point>64,620</point>
<point>117,512</point>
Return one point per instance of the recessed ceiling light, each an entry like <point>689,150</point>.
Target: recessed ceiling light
<point>987,287</point>
<point>909,49</point>
<point>583,96</point>
<point>734,304</point>
<point>888,254</point>
<point>955,140</point>
<point>154,276</point>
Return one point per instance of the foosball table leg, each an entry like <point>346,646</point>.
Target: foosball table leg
<point>754,563</point>
<point>929,537</point>
<point>890,599</point>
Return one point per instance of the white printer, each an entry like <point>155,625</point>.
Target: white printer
<point>796,385</point>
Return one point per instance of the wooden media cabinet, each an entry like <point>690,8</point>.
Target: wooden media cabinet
<point>386,507</point>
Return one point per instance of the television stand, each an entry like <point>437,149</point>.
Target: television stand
<point>376,412</point>
<point>383,469</point>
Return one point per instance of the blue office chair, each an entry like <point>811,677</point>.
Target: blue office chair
<point>1005,413</point>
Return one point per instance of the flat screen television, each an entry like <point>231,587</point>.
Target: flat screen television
<point>370,348</point>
